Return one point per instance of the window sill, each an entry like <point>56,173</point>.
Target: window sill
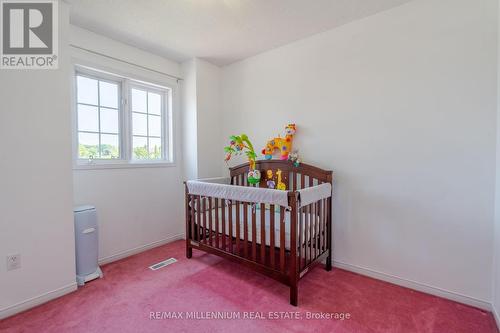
<point>122,165</point>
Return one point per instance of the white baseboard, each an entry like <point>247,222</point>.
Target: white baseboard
<point>416,286</point>
<point>37,300</point>
<point>496,316</point>
<point>139,249</point>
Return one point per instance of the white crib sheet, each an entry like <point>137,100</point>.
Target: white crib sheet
<point>258,225</point>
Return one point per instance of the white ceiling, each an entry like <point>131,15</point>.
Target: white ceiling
<point>219,31</point>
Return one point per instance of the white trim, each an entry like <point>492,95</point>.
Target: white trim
<point>139,249</point>
<point>484,305</point>
<point>124,165</point>
<point>37,300</point>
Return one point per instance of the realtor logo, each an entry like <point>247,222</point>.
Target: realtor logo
<point>29,34</point>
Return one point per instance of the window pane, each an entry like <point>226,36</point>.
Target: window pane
<point>109,120</point>
<point>108,94</point>
<point>88,118</point>
<point>87,90</point>
<point>139,101</point>
<point>139,124</point>
<point>155,148</point>
<point>140,148</point>
<point>88,145</point>
<point>154,103</point>
<point>154,125</point>
<point>110,146</point>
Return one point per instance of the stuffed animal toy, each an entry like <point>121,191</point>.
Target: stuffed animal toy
<point>294,158</point>
<point>237,145</point>
<point>253,176</point>
<point>270,181</point>
<point>284,145</point>
<point>280,186</point>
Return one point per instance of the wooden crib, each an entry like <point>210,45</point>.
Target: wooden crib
<point>281,241</point>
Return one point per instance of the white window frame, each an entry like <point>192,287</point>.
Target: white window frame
<point>110,79</point>
<point>126,84</point>
<point>164,124</point>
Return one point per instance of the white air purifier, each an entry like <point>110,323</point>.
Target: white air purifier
<point>86,244</point>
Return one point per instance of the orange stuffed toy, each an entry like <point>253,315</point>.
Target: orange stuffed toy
<point>284,145</point>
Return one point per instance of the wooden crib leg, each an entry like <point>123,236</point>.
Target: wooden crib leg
<point>189,251</point>
<point>328,265</point>
<point>294,295</point>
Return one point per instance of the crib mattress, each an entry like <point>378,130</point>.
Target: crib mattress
<point>225,210</point>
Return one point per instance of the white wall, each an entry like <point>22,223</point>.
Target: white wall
<point>401,105</point>
<point>36,183</point>
<point>137,207</point>
<point>209,111</point>
<point>189,120</point>
<point>496,254</point>
<point>201,115</point>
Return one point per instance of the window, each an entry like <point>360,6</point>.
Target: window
<point>120,120</point>
<point>98,118</point>
<point>147,129</point>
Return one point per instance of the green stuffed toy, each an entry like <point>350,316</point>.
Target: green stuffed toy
<point>238,145</point>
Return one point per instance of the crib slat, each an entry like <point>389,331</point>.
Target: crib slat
<point>316,229</point>
<point>325,236</point>
<point>245,229</point>
<point>223,210</point>
<point>198,220</point>
<point>254,232</point>
<point>263,233</point>
<point>210,221</point>
<point>325,205</point>
<point>313,239</point>
<point>310,181</point>
<point>193,208</point>
<point>302,181</point>
<point>282,238</point>
<point>204,221</point>
<point>301,231</point>
<point>272,242</point>
<point>238,223</point>
<point>294,180</point>
<point>230,239</point>
<point>216,203</point>
<point>311,235</point>
<point>320,225</point>
<point>306,234</point>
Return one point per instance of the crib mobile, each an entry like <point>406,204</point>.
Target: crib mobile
<point>238,145</point>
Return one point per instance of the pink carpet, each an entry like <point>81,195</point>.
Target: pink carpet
<point>123,300</point>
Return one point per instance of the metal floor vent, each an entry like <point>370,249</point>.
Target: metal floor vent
<point>162,264</point>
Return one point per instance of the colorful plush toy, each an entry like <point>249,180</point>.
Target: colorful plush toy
<point>280,186</point>
<point>284,145</point>
<point>253,176</point>
<point>270,181</point>
<point>237,145</point>
<point>294,158</point>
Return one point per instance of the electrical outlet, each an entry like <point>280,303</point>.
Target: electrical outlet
<point>13,262</point>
